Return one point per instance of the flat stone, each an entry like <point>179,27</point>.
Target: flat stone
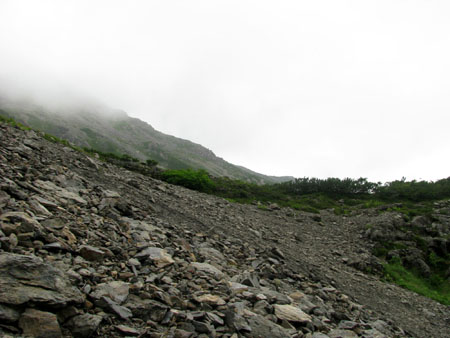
<point>291,314</point>
<point>129,331</point>
<point>60,192</point>
<point>262,327</point>
<point>297,295</point>
<point>84,325</point>
<point>319,335</point>
<point>28,279</point>
<point>158,256</point>
<point>247,278</point>
<point>237,287</point>
<point>117,291</point>
<point>39,324</point>
<point>111,194</point>
<point>210,299</point>
<point>91,253</point>
<point>146,309</point>
<point>23,222</point>
<point>211,253</point>
<point>275,296</point>
<point>339,333</point>
<point>208,269</point>
<point>122,311</point>
<point>373,333</point>
<point>202,327</point>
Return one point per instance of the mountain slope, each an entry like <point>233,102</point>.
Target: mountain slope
<point>93,125</point>
<point>93,250</point>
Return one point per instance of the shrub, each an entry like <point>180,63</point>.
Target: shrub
<point>192,179</point>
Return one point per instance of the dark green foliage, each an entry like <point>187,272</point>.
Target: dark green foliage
<point>193,179</point>
<point>151,163</point>
<point>330,186</point>
<point>415,190</point>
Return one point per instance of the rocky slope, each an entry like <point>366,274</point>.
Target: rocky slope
<point>89,249</point>
<point>94,125</point>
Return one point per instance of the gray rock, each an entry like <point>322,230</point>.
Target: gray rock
<point>208,269</point>
<point>117,291</point>
<point>122,311</point>
<point>202,327</point>
<point>28,279</point>
<point>247,278</point>
<point>318,335</point>
<point>84,325</point>
<point>22,223</point>
<point>212,254</point>
<point>126,330</point>
<point>39,324</point>
<point>146,309</point>
<point>91,253</point>
<point>339,333</point>
<point>59,192</point>
<point>262,327</point>
<point>291,314</point>
<point>158,256</point>
<point>373,333</point>
<point>274,296</point>
<point>8,314</point>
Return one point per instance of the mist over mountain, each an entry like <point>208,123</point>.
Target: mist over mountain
<point>88,123</point>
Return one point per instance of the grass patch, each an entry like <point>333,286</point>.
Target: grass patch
<point>13,122</point>
<point>435,287</point>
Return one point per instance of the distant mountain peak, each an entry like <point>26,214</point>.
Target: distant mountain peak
<point>89,123</point>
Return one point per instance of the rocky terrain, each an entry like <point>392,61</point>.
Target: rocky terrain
<point>88,249</point>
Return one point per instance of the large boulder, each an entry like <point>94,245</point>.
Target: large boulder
<point>28,279</point>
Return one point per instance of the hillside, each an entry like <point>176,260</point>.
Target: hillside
<point>96,126</point>
<point>90,249</point>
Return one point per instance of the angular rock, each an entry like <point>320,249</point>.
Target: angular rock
<point>210,299</point>
<point>146,309</point>
<point>262,327</point>
<point>122,311</point>
<point>28,279</point>
<point>126,330</point>
<point>23,223</point>
<point>211,253</point>
<point>84,325</point>
<point>91,253</point>
<point>59,192</point>
<point>208,269</point>
<point>291,314</point>
<point>116,290</point>
<point>339,333</point>
<point>247,278</point>
<point>158,256</point>
<point>39,324</point>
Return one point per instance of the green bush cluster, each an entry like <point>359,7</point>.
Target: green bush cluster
<point>193,179</point>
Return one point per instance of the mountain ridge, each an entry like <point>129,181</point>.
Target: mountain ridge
<point>102,128</point>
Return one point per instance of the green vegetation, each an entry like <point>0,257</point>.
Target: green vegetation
<point>193,179</point>
<point>12,122</point>
<point>434,287</point>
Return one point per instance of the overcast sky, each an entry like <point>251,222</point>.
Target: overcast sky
<point>321,88</point>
